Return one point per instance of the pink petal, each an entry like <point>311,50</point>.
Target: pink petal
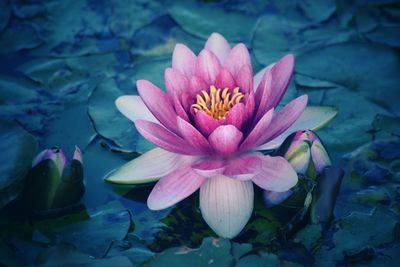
<point>225,79</point>
<point>175,82</point>
<point>217,44</point>
<point>263,94</point>
<point>225,140</point>
<point>244,167</point>
<point>184,60</point>
<point>258,131</point>
<point>179,109</point>
<point>244,78</point>
<point>133,107</point>
<point>174,187</point>
<point>250,105</point>
<point>319,156</point>
<point>281,74</point>
<point>193,136</point>
<point>276,174</point>
<point>205,123</point>
<point>236,116</point>
<point>158,103</point>
<point>237,58</point>
<point>209,167</point>
<point>208,66</point>
<point>259,75</point>
<point>163,138</point>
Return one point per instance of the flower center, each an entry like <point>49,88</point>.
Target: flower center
<point>217,102</point>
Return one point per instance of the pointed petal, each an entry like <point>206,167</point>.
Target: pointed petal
<point>148,167</point>
<point>313,118</point>
<point>259,75</point>
<point>205,123</point>
<point>226,205</point>
<point>237,58</point>
<point>217,44</point>
<point>254,137</point>
<point>158,103</point>
<point>77,155</point>
<point>263,94</point>
<point>174,187</point>
<point>184,60</point>
<point>209,167</point>
<point>225,140</point>
<point>133,107</point>
<point>276,174</point>
<point>272,198</point>
<point>208,66</point>
<point>244,167</point>
<point>244,78</point>
<point>163,138</point>
<point>55,154</point>
<point>236,116</point>
<point>319,156</point>
<point>225,80</point>
<point>175,82</point>
<point>193,136</point>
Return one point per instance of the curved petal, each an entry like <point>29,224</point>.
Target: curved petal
<point>319,156</point>
<point>217,44</point>
<point>313,118</point>
<point>174,187</point>
<point>254,137</point>
<point>205,123</point>
<point>209,167</point>
<point>193,136</point>
<point>163,138</point>
<point>158,103</point>
<point>225,140</point>
<point>142,169</point>
<point>244,167</point>
<point>237,58</point>
<point>207,66</point>
<point>133,107</point>
<point>226,204</point>
<point>175,82</point>
<point>272,198</point>
<point>276,174</point>
<point>299,156</point>
<point>259,75</point>
<point>184,60</point>
<point>225,80</point>
<point>262,95</point>
<point>236,116</point>
<point>244,79</point>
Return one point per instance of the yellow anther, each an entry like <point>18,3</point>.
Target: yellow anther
<point>217,102</point>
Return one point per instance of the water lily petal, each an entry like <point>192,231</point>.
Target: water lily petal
<point>142,169</point>
<point>236,116</point>
<point>299,156</point>
<point>225,80</point>
<point>174,187</point>
<point>152,96</point>
<point>226,204</point>
<point>184,60</point>
<point>193,136</point>
<point>244,78</point>
<point>272,198</point>
<point>163,138</point>
<point>175,82</point>
<point>237,58</point>
<point>244,167</point>
<point>259,75</point>
<point>319,156</point>
<point>263,93</point>
<point>258,131</point>
<point>313,118</point>
<point>205,123</point>
<point>133,107</point>
<point>225,140</point>
<point>77,154</point>
<point>217,44</point>
<point>208,66</point>
<point>55,154</point>
<point>276,174</point>
<point>209,167</point>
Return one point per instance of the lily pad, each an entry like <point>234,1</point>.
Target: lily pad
<point>18,149</point>
<point>19,37</point>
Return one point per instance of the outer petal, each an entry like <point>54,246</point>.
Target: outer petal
<point>299,156</point>
<point>319,156</point>
<point>142,169</point>
<point>193,136</point>
<point>133,107</point>
<point>217,44</point>
<point>184,60</point>
<point>225,79</point>
<point>244,167</point>
<point>175,82</point>
<point>259,75</point>
<point>163,138</point>
<point>158,103</point>
<point>207,66</point>
<point>244,78</point>
<point>313,118</point>
<point>225,140</point>
<point>226,204</point>
<point>237,58</point>
<point>174,187</point>
<point>272,198</point>
<point>209,167</point>
<point>276,174</point>
<point>206,124</point>
<point>263,94</point>
<point>55,154</point>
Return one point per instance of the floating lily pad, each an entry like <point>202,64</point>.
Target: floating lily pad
<point>318,11</point>
<point>19,37</point>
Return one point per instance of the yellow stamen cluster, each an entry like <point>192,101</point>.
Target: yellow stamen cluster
<point>217,102</point>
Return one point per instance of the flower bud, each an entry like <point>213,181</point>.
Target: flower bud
<point>306,153</point>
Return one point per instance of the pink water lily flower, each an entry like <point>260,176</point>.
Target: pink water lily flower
<point>209,126</point>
